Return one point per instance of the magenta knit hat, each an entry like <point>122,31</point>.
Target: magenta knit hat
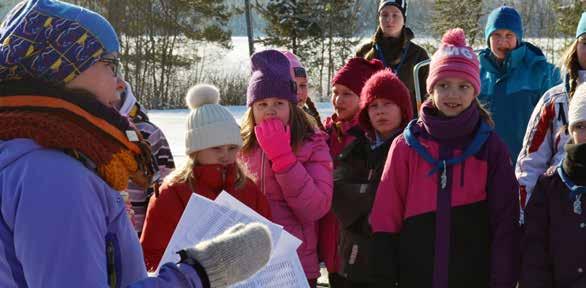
<point>454,59</point>
<point>271,77</point>
<point>355,73</point>
<point>385,84</point>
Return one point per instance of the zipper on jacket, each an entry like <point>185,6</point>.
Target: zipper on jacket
<point>223,171</point>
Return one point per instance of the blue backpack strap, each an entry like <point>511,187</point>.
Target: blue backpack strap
<point>380,55</point>
<point>414,143</point>
<point>479,139</point>
<point>574,189</point>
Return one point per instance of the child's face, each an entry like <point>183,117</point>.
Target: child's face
<point>579,132</point>
<point>302,90</point>
<point>451,95</point>
<point>502,41</point>
<point>223,155</point>
<point>385,116</point>
<point>271,108</point>
<point>581,51</point>
<point>346,103</point>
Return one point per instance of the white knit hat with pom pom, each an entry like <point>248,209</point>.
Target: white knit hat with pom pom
<point>209,124</point>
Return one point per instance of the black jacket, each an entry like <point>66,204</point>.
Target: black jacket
<point>356,179</point>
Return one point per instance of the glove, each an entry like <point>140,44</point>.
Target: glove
<point>274,139</point>
<point>234,255</point>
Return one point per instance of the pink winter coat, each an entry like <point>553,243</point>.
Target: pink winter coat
<point>299,196</point>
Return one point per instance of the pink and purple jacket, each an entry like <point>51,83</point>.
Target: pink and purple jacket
<point>340,134</point>
<point>468,234</point>
<point>299,196</point>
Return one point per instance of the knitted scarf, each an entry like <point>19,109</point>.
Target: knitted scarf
<point>79,125</point>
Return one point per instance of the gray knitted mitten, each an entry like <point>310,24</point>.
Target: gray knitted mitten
<point>234,255</point>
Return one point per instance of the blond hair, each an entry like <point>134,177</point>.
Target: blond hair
<point>301,124</point>
<point>571,66</point>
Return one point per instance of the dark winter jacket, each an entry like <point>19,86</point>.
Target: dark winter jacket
<point>464,235</point>
<point>356,179</point>
<point>554,244</point>
<point>413,54</point>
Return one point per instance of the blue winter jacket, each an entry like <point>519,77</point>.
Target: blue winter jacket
<point>512,89</point>
<point>60,226</point>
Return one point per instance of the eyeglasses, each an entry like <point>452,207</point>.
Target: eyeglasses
<point>299,72</point>
<point>113,63</point>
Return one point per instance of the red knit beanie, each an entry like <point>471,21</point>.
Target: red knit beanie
<point>385,84</point>
<point>355,73</point>
<point>454,59</point>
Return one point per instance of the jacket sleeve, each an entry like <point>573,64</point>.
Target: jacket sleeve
<point>172,275</point>
<point>163,214</point>
<point>503,205</point>
<point>350,205</point>
<point>536,266</point>
<point>538,147</point>
<point>307,187</point>
<point>389,203</point>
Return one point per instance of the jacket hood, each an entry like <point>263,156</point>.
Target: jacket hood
<point>12,150</point>
<point>128,101</point>
<point>525,52</point>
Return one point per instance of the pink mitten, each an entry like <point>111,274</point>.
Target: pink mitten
<point>274,139</point>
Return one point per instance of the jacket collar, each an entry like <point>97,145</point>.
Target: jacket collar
<point>216,177</point>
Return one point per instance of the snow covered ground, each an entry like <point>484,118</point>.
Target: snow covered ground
<point>172,122</point>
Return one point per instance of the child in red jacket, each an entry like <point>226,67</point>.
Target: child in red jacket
<point>212,142</point>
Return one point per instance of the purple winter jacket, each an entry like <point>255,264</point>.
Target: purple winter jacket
<point>60,223</point>
<point>554,244</point>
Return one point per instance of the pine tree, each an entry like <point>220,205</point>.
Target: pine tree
<point>320,32</point>
<point>568,15</point>
<point>464,14</point>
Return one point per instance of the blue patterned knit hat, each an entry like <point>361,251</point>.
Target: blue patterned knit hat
<point>53,41</point>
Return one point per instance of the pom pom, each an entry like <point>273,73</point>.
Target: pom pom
<point>202,94</point>
<point>455,37</point>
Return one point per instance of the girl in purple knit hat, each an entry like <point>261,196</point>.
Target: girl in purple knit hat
<point>286,154</point>
<point>446,210</point>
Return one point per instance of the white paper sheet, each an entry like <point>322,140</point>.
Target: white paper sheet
<point>203,219</point>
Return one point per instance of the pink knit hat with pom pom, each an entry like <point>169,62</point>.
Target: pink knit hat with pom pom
<point>454,59</point>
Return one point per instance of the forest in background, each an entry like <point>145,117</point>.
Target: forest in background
<point>166,43</point>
